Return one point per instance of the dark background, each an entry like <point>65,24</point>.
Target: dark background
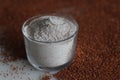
<point>98,48</point>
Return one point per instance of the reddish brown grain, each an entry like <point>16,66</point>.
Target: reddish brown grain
<point>98,48</point>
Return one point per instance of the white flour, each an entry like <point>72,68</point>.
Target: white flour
<point>50,29</point>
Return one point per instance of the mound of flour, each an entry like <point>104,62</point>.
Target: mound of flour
<point>50,28</point>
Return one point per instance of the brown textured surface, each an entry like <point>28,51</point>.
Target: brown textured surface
<point>98,49</point>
